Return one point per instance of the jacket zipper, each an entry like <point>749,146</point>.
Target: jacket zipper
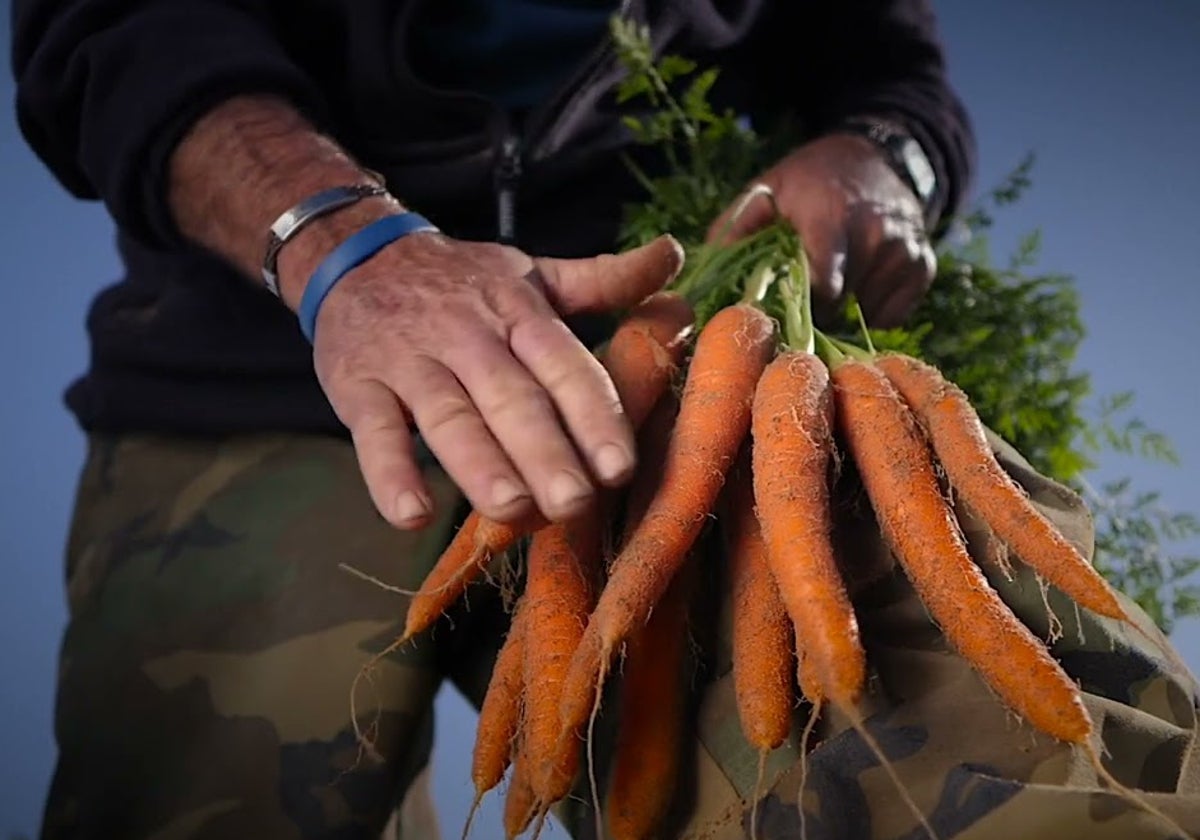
<point>515,145</point>
<point>507,178</point>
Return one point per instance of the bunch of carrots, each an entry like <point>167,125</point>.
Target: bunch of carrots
<point>745,419</point>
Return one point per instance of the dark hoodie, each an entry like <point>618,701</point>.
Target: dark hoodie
<point>105,89</point>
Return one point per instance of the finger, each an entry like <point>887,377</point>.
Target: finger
<point>900,276</point>
<point>523,419</point>
<point>582,393</point>
<point>891,262</point>
<point>751,212</point>
<point>452,428</point>
<point>825,246</point>
<point>609,281</point>
<point>386,456</point>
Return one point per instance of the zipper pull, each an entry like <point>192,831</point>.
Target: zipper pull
<point>508,174</point>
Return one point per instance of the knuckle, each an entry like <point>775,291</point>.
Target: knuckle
<point>440,412</point>
<point>520,404</point>
<point>581,383</point>
<point>371,424</point>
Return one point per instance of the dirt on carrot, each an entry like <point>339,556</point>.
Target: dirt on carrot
<point>898,473</point>
<point>499,716</point>
<point>714,417</point>
<point>957,436</point>
<point>793,464</point>
<point>763,636</point>
<point>652,700</point>
<point>520,804</point>
<point>646,350</point>
<point>462,563</point>
<point>562,563</point>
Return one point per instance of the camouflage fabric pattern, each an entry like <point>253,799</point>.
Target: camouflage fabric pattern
<point>205,678</point>
<point>206,670</point>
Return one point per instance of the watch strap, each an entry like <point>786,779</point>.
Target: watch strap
<point>902,152</point>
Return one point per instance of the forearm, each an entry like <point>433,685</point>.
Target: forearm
<point>246,162</point>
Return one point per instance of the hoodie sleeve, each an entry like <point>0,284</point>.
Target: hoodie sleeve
<point>106,88</point>
<point>878,58</point>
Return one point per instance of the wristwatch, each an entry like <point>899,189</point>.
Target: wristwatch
<point>902,152</point>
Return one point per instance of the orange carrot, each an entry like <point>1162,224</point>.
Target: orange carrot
<point>763,638</point>
<point>793,460</point>
<point>646,350</point>
<point>898,473</point>
<point>957,436</point>
<point>810,682</point>
<point>476,543</point>
<point>652,701</point>
<point>520,805</point>
<point>500,714</point>
<point>563,565</point>
<point>653,440</point>
<point>714,417</point>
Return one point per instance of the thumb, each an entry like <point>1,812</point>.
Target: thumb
<point>752,211</point>
<point>610,281</point>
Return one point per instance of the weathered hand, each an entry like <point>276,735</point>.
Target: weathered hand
<point>862,227</point>
<point>465,340</point>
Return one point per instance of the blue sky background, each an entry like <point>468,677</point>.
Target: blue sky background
<point>1103,92</point>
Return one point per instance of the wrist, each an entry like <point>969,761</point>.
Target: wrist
<point>302,254</point>
<point>246,162</point>
<point>901,152</point>
<point>359,248</point>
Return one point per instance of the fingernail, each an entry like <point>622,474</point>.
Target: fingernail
<point>566,489</point>
<point>411,506</point>
<point>505,491</point>
<point>612,462</point>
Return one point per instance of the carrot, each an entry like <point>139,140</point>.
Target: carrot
<point>652,701</point>
<point>500,714</point>
<point>763,635</point>
<point>763,638</point>
<point>714,417</point>
<point>898,473</point>
<point>957,436</point>
<point>652,445</point>
<point>793,459</point>
<point>810,682</point>
<point>476,543</point>
<point>653,440</point>
<point>520,805</point>
<point>563,564</point>
<point>646,350</point>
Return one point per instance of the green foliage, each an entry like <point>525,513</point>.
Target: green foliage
<point>1007,335</point>
<point>710,155</point>
<point>1132,531</point>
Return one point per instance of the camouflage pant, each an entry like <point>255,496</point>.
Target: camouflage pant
<point>213,639</point>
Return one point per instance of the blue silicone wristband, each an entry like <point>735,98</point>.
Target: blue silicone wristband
<point>349,255</point>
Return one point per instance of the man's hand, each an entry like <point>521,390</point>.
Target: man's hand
<point>465,340</point>
<point>862,227</point>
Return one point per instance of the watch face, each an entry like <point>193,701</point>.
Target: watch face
<point>919,168</point>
